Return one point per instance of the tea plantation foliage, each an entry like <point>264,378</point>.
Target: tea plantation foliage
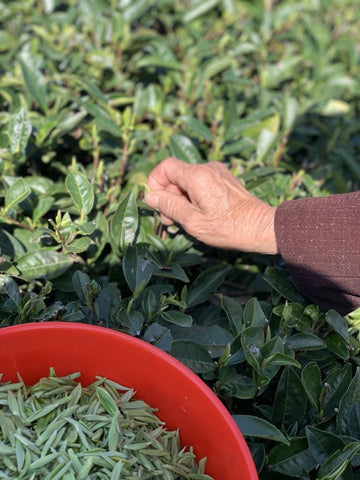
<point>94,94</point>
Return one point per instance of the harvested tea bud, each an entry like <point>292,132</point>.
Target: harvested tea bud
<point>57,429</point>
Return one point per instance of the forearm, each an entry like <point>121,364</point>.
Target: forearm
<point>319,242</point>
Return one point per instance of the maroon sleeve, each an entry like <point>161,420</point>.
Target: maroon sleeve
<point>319,240</point>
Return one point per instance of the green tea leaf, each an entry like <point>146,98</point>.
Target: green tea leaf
<point>311,380</point>
<point>208,281</point>
<point>251,426</point>
<point>280,281</point>
<point>11,288</point>
<point>234,312</point>
<point>336,384</point>
<point>254,314</point>
<point>124,224</point>
<point>81,191</point>
<point>336,464</point>
<point>81,282</point>
<point>323,444</point>
<point>137,271</point>
<point>193,355</point>
<point>281,359</point>
<point>201,9</point>
<point>34,80</point>
<point>338,323</point>
<point>194,125</point>
<point>348,419</point>
<point>177,318</point>
<point>43,263</point>
<point>78,245</point>
<point>337,345</point>
<point>305,341</point>
<point>42,207</point>
<point>16,194</point>
<point>183,148</point>
<point>135,9</point>
<point>252,339</point>
<point>19,131</point>
<point>289,388</point>
<point>295,459</point>
<point>10,246</point>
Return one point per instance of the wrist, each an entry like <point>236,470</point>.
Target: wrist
<point>266,239</point>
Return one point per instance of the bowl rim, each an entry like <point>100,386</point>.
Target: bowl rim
<point>152,350</point>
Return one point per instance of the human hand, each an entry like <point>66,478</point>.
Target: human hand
<point>211,205</point>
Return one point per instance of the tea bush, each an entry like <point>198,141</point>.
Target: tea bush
<point>93,95</point>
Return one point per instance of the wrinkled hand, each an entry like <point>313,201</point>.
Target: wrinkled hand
<point>211,205</point>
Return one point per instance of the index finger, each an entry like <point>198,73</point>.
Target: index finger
<point>170,172</point>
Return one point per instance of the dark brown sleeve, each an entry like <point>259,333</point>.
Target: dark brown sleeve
<point>319,240</point>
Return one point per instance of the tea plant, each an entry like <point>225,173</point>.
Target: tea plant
<point>93,95</point>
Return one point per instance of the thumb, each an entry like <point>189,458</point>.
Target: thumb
<point>171,205</point>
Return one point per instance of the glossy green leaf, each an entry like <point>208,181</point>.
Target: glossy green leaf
<point>150,303</point>
<point>214,338</point>
<point>335,386</point>
<point>195,126</point>
<point>16,194</point>
<point>201,9</point>
<point>281,359</point>
<point>19,131</point>
<point>159,61</point>
<point>177,318</point>
<point>205,284</point>
<point>251,426</point>
<point>11,288</point>
<point>68,124</point>
<point>99,236</point>
<point>172,271</point>
<point>311,380</point>
<point>42,207</point>
<point>183,148</point>
<point>81,283</point>
<point>102,119</point>
<point>337,345</point>
<point>193,355</point>
<point>252,339</point>
<point>234,312</point>
<point>323,444</point>
<point>135,9</point>
<point>348,417</point>
<point>42,263</point>
<point>291,112</point>
<point>265,142</point>
<point>81,191</point>
<point>336,464</point>
<point>78,245</point>
<point>10,246</point>
<point>238,386</point>
<point>124,224</point>
<point>305,341</point>
<point>34,80</point>
<point>280,281</point>
<point>291,389</point>
<point>91,88</point>
<point>295,459</point>
<point>338,323</point>
<point>137,271</point>
<point>254,314</point>
<point>216,66</point>
<point>159,336</point>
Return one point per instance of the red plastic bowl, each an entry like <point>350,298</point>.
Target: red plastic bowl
<point>183,400</point>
